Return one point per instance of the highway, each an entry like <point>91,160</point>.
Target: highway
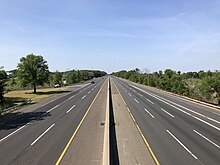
<point>70,129</point>
<point>39,137</point>
<point>178,131</point>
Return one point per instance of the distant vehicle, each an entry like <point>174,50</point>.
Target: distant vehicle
<point>57,85</point>
<point>93,82</point>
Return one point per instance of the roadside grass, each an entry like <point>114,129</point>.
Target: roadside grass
<point>9,102</point>
<point>13,98</point>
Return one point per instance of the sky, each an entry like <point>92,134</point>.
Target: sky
<point>112,35</point>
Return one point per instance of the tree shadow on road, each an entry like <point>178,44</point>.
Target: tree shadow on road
<point>17,119</point>
<point>50,92</point>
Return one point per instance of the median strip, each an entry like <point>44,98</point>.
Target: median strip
<point>106,150</point>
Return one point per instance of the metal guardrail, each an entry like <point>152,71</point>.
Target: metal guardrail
<point>16,106</point>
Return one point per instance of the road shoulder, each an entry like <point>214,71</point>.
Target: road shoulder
<point>86,147</point>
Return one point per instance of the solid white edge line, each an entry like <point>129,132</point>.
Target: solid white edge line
<point>182,145</point>
<point>53,108</point>
<point>155,96</point>
<point>136,100</point>
<point>14,132</point>
<point>70,109</point>
<point>191,110</point>
<point>167,112</point>
<point>149,113</point>
<point>42,134</point>
<point>206,139</point>
<point>209,118</point>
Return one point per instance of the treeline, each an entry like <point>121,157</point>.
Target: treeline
<point>200,85</point>
<point>3,79</point>
<point>73,76</point>
<point>32,71</point>
<point>57,77</point>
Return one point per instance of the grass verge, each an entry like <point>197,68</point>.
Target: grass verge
<point>13,98</point>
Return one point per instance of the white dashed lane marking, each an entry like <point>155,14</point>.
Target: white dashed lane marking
<point>149,113</point>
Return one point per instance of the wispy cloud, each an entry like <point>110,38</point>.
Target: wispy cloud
<point>106,33</point>
<point>11,24</point>
<point>59,19</point>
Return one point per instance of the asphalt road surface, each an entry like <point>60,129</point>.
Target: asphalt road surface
<point>178,131</point>
<point>39,137</point>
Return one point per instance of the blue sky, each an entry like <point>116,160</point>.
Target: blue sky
<point>112,35</point>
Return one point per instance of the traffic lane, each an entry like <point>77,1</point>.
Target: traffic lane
<point>64,131</point>
<point>13,121</point>
<point>198,117</point>
<point>204,111</point>
<point>198,123</point>
<point>161,102</point>
<point>154,98</point>
<point>22,139</point>
<point>188,103</point>
<point>213,158</point>
<point>191,135</point>
<point>162,145</point>
<point>200,110</point>
<point>28,117</point>
<point>17,119</point>
<point>48,149</point>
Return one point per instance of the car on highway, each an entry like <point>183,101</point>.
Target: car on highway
<point>92,82</point>
<point>57,86</point>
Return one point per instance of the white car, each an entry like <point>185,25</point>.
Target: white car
<point>57,85</point>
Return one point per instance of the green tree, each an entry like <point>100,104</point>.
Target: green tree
<point>84,75</point>
<point>3,78</point>
<point>169,73</point>
<point>211,85</point>
<point>72,77</point>
<point>57,78</point>
<point>33,70</point>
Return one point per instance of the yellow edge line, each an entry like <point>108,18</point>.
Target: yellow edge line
<point>71,139</point>
<point>137,126</point>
